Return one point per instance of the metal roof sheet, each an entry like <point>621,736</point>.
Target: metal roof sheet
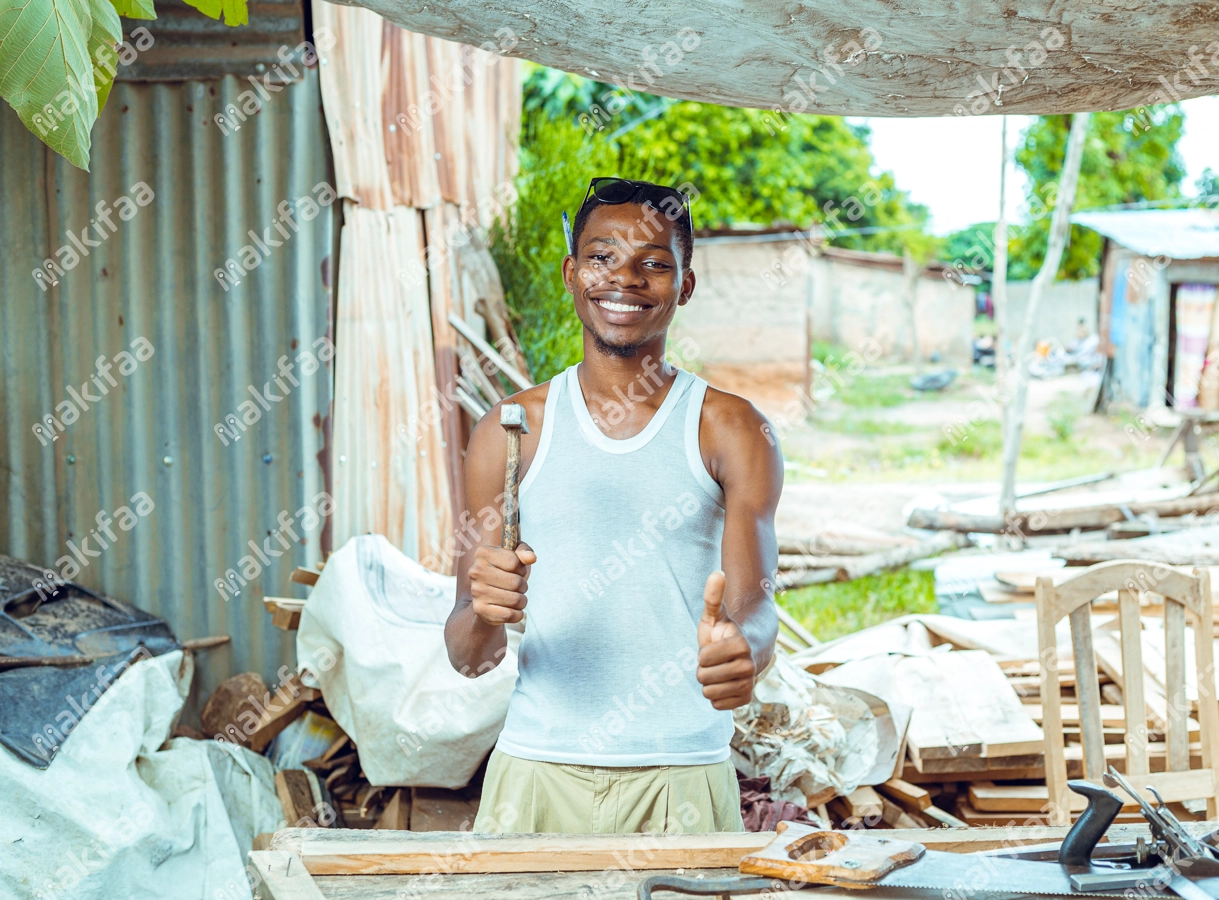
<point>1175,233</point>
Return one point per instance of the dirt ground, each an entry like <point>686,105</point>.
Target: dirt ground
<point>865,449</point>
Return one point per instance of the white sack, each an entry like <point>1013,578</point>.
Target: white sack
<point>116,816</point>
<point>372,636</point>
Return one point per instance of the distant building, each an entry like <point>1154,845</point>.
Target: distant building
<point>765,296</point>
<point>1158,320</point>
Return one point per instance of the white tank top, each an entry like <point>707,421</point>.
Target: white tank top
<point>626,533</point>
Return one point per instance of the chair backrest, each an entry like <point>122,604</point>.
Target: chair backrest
<point>1185,594</point>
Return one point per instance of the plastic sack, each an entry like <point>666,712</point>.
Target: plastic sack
<point>372,637</point>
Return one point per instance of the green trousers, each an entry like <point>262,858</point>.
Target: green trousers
<point>525,796</point>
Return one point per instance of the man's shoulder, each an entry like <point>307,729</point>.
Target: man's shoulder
<point>724,410</point>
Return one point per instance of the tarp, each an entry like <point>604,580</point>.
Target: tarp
<point>372,637</point>
<point>854,57</point>
<point>119,815</point>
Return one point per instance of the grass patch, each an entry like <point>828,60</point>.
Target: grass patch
<point>875,390</point>
<point>980,440</point>
<point>852,425</point>
<point>832,610</point>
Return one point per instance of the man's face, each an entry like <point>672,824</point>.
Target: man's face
<point>626,276</point>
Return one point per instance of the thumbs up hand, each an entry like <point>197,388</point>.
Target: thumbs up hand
<point>725,660</point>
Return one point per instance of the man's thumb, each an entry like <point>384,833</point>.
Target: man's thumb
<point>713,597</point>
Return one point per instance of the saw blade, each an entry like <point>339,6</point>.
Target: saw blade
<point>959,876</point>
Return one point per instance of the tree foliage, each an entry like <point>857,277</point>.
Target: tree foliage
<point>58,61</point>
<point>748,167</point>
<point>1128,157</point>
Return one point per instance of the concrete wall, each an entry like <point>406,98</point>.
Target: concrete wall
<point>752,301</point>
<point>1064,304</point>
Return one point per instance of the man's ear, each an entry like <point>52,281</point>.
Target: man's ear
<point>569,274</point>
<point>687,288</point>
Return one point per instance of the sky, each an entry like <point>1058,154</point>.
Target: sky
<point>951,164</point>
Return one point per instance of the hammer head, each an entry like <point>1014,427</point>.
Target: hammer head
<point>512,416</point>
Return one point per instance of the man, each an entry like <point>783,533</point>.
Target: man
<point>640,483</point>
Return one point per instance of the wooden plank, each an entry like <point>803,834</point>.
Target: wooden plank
<point>909,797</point>
<point>304,576</point>
<point>282,876</point>
<point>1208,711</point>
<point>397,813</point>
<point>1047,652</point>
<point>896,817</point>
<point>986,796</point>
<point>863,802</point>
<point>796,627</point>
<point>1134,700</point>
<point>963,707</point>
<point>1176,703</point>
<point>296,797</point>
<point>467,853</point>
<point>1087,691</point>
<point>1111,716</point>
<point>1175,786</point>
<point>944,818</point>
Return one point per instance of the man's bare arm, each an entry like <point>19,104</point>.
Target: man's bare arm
<point>737,638</point>
<point>491,581</point>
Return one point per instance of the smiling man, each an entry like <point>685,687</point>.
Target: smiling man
<point>647,519</point>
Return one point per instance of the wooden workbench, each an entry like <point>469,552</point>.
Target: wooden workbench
<point>301,864</point>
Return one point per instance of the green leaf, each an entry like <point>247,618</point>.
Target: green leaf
<point>134,9</point>
<point>234,11</point>
<point>47,69</point>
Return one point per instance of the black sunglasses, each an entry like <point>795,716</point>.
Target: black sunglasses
<point>614,191</point>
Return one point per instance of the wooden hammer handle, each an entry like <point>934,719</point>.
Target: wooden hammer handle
<point>512,485</point>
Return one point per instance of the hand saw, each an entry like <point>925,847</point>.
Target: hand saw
<point>802,855</point>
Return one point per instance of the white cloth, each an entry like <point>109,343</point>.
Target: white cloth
<point>372,636</point>
<point>118,815</point>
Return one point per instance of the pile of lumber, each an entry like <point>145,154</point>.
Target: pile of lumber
<point>824,558</point>
<point>974,745</point>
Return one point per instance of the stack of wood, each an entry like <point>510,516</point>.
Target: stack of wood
<point>830,556</point>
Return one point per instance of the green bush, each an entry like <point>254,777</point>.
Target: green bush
<point>557,161</point>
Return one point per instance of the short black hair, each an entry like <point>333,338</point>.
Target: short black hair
<point>680,219</point>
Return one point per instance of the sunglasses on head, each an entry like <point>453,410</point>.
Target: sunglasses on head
<point>614,191</point>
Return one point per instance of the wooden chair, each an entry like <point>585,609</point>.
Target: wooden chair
<point>1183,593</point>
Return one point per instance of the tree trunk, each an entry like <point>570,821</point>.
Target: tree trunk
<point>998,288</point>
<point>1016,392</point>
<point>910,274</point>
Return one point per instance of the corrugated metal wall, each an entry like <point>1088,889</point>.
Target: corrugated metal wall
<point>153,277</point>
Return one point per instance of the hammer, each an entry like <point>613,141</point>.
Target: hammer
<point>512,417</point>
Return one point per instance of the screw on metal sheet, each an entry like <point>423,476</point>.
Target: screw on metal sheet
<point>71,459</point>
<point>851,864</point>
<point>342,460</point>
<point>261,67</point>
<point>266,457</point>
<point>168,460</point>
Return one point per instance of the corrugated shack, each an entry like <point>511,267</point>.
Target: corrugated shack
<point>241,311</point>
<point>1158,316</point>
